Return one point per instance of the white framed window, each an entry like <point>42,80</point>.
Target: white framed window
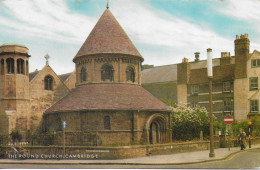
<point>253,83</point>
<point>254,106</point>
<point>255,63</point>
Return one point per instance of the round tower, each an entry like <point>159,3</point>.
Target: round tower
<point>14,87</point>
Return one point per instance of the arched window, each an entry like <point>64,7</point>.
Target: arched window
<point>130,74</point>
<point>27,68</point>
<point>2,67</point>
<point>83,75</point>
<point>20,66</point>
<point>107,123</point>
<point>107,73</point>
<point>10,65</point>
<point>48,83</point>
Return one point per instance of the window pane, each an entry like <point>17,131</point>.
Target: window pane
<point>10,65</point>
<point>107,73</point>
<point>2,67</point>
<point>227,106</point>
<point>107,123</point>
<point>226,87</point>
<point>254,63</point>
<point>254,83</point>
<point>195,89</point>
<point>48,83</point>
<point>254,105</point>
<point>83,75</point>
<point>130,73</point>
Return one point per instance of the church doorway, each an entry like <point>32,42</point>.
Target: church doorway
<point>153,136</point>
<point>157,130</point>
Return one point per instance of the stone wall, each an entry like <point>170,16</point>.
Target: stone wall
<point>83,152</point>
<point>116,152</point>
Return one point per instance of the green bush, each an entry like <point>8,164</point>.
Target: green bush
<point>188,122</point>
<point>219,127</point>
<point>168,102</point>
<point>255,125</point>
<point>236,126</point>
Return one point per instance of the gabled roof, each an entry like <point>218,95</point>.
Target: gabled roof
<point>108,97</point>
<point>107,37</point>
<point>255,52</point>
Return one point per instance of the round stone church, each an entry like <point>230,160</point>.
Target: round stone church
<point>109,105</point>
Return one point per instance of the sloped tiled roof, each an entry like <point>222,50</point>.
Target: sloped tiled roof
<point>109,97</point>
<point>64,77</point>
<point>107,37</point>
<point>33,74</point>
<point>169,72</point>
<point>160,74</point>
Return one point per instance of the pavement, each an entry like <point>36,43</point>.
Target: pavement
<point>172,159</point>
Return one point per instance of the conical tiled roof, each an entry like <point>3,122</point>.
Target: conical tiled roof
<point>107,37</point>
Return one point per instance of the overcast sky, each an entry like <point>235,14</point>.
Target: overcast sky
<point>164,31</point>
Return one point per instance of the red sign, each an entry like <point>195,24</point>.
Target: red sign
<point>228,119</point>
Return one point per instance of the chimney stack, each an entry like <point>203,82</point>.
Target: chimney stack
<point>197,56</point>
<point>185,60</point>
<point>209,62</point>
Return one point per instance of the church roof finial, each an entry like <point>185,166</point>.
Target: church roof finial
<point>107,4</point>
<point>47,57</point>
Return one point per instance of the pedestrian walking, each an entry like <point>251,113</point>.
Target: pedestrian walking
<point>242,139</point>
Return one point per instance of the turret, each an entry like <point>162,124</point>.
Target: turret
<point>242,45</point>
<point>14,85</point>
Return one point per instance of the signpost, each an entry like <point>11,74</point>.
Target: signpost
<point>64,126</point>
<point>228,120</point>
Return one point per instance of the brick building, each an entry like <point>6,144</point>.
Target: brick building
<point>235,82</point>
<point>102,101</point>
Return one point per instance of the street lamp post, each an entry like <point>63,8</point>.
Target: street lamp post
<point>64,139</point>
<point>210,76</point>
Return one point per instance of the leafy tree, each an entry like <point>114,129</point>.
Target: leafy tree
<point>168,102</point>
<point>188,122</point>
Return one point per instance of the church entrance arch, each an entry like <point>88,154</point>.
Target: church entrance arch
<point>153,133</point>
<point>156,129</point>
